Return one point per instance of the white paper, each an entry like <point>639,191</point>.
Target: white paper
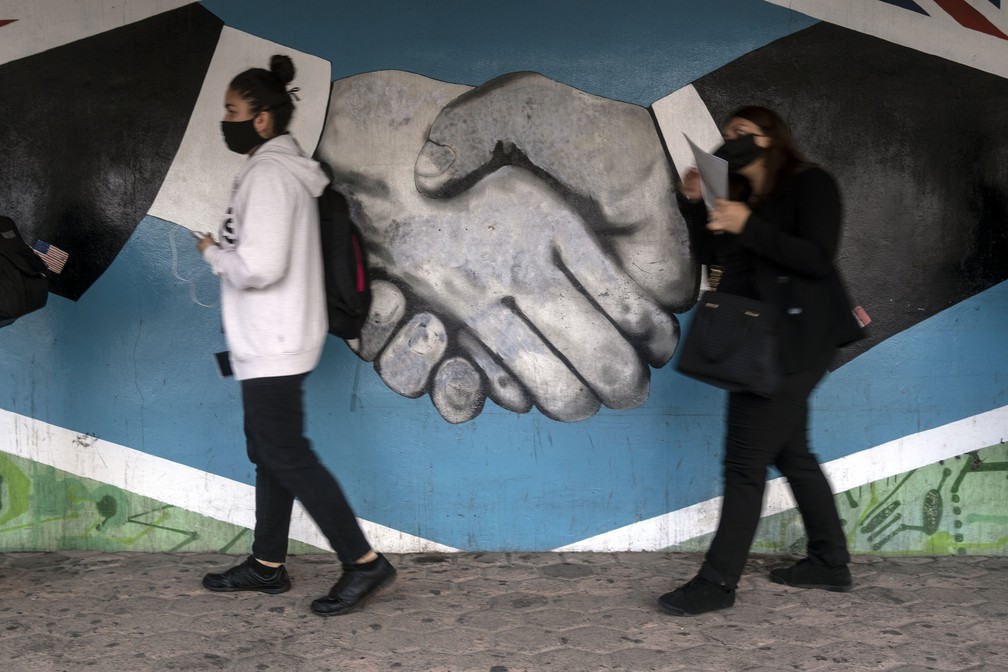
<point>713,174</point>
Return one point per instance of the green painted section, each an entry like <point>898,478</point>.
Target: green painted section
<point>45,509</point>
<point>954,507</point>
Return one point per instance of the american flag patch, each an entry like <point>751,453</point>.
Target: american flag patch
<point>861,316</point>
<point>53,257</point>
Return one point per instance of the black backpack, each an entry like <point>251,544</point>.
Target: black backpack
<point>348,292</point>
<point>24,286</point>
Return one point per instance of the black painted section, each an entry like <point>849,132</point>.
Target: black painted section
<point>919,147</point>
<point>90,129</point>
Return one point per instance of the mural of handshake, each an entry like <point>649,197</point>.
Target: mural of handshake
<point>523,239</point>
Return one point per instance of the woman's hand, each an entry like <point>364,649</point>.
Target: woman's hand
<point>690,185</point>
<point>730,216</point>
<point>205,242</point>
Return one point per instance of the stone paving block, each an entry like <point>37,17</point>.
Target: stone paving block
<point>994,563</point>
<point>549,588</point>
<point>316,647</point>
<point>367,637</point>
<point>538,559</point>
<point>274,662</point>
<point>484,661</point>
<point>939,632</point>
<point>921,668</point>
<point>623,617</point>
<point>644,659</point>
<point>63,611</point>
<point>942,595</point>
<point>859,655</point>
<point>509,574</point>
<point>19,623</point>
<point>596,639</point>
<point>160,645</point>
<point>123,661</point>
<point>573,659</point>
<point>939,657</point>
<point>420,586</point>
<point>667,634</point>
<point>876,594</point>
<point>195,661</point>
<point>457,641</point>
<point>28,646</point>
<point>42,663</point>
<point>518,601</point>
<point>491,620</point>
<point>525,639</point>
<point>991,631</point>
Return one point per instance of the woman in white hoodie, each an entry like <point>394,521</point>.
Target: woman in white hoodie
<point>273,302</point>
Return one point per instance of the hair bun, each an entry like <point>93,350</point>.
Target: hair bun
<point>283,67</point>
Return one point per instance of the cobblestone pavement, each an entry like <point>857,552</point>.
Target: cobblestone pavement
<point>497,612</point>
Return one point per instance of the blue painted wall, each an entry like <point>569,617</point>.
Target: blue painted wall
<point>131,361</point>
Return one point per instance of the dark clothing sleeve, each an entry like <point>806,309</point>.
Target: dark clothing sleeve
<point>718,250</point>
<point>695,214</point>
<point>784,255</point>
<point>799,230</point>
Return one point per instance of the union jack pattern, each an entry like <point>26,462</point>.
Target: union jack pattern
<point>964,13</point>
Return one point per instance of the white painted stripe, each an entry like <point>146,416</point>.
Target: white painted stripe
<point>232,502</point>
<point>196,189</point>
<point>937,34</point>
<point>889,459</point>
<point>683,111</point>
<point>173,483</point>
<point>40,25</point>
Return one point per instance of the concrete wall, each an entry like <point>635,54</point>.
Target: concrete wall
<point>117,432</point>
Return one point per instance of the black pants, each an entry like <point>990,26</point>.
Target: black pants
<point>286,467</point>
<point>774,431</point>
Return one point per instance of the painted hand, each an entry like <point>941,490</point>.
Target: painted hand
<point>544,281</point>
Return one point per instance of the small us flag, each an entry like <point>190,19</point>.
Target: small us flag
<point>53,257</point>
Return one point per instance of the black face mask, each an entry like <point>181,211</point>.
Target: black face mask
<point>241,136</point>
<point>739,152</point>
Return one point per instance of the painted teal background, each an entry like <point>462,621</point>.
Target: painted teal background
<point>637,50</point>
<point>132,361</point>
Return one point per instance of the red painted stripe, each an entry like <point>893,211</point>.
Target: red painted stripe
<point>359,258</point>
<point>967,16</point>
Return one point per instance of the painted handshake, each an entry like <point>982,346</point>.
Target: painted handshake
<point>524,237</point>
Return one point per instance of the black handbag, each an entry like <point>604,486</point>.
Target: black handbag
<point>733,343</point>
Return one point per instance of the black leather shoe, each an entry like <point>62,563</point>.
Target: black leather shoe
<point>807,574</point>
<point>249,575</point>
<point>354,587</point>
<point>697,596</point>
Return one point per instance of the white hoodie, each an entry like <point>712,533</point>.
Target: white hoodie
<point>270,264</point>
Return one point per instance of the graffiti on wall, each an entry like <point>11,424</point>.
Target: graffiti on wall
<point>529,236</point>
<point>46,509</point>
<point>525,251</point>
<point>526,244</point>
<point>953,507</point>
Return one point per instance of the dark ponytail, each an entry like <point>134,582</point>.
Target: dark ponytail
<point>267,90</point>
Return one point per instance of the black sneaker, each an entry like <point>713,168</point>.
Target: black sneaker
<point>806,574</point>
<point>697,596</point>
<point>249,575</point>
<point>354,587</point>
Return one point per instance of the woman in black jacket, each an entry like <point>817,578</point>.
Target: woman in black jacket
<point>776,241</point>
